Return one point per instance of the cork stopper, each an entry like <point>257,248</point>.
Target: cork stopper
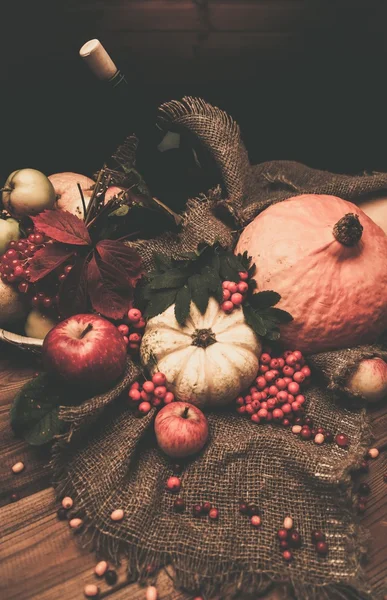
<point>98,60</point>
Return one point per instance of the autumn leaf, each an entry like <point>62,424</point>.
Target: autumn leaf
<point>73,298</point>
<point>111,294</point>
<point>47,259</point>
<point>116,253</point>
<point>62,226</point>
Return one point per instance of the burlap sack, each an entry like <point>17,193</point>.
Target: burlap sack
<point>110,459</point>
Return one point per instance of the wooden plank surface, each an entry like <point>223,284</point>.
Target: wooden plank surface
<point>40,558</point>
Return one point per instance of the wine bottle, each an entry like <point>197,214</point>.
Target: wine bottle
<point>174,166</point>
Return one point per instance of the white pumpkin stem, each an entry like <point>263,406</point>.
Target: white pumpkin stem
<point>203,338</point>
<point>348,230</point>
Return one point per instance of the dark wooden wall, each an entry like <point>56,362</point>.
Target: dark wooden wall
<point>304,78</point>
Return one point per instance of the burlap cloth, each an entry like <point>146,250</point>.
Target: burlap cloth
<point>110,459</point>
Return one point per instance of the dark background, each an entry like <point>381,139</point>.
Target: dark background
<point>305,80</point>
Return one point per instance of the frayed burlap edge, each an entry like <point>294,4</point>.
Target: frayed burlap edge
<point>230,584</point>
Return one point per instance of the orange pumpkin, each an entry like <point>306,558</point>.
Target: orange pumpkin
<point>328,260</point>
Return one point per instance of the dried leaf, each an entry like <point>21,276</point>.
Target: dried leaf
<point>47,259</point>
<point>122,257</point>
<point>73,297</point>
<point>62,226</point>
<point>110,293</point>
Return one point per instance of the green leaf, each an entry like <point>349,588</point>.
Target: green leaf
<point>159,302</point>
<point>230,267</point>
<point>121,211</point>
<point>213,282</point>
<point>182,305</point>
<point>162,262</point>
<point>199,292</point>
<point>278,315</point>
<point>174,278</point>
<point>254,320</point>
<point>245,260</point>
<point>273,334</point>
<point>263,300</point>
<point>35,410</point>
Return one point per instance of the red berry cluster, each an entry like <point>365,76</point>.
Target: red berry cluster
<point>14,269</point>
<point>289,540</point>
<point>276,394</point>
<point>150,393</point>
<point>276,397</point>
<point>234,293</point>
<point>132,330</point>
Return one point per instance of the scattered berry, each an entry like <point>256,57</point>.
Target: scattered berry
<point>322,548</point>
<point>18,467</point>
<point>288,523</point>
<point>213,514</point>
<point>67,502</point>
<point>90,590</point>
<point>342,440</point>
<point>179,505</point>
<point>101,568</point>
<point>144,408</point>
<point>173,484</point>
<point>287,555</point>
<point>62,513</point>
<point>75,523</point>
<point>117,514</point>
<point>197,510</point>
<point>111,577</point>
<point>373,453</point>
<point>134,315</point>
<point>206,507</point>
<point>255,521</point>
<point>318,536</point>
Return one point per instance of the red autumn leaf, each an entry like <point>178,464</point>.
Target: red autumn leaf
<point>62,226</point>
<point>73,291</point>
<point>117,254</point>
<point>47,259</point>
<point>111,294</point>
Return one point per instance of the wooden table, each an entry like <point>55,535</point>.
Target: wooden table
<point>39,557</point>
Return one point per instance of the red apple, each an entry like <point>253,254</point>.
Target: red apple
<point>370,379</point>
<point>85,350</point>
<point>67,191</point>
<point>181,429</point>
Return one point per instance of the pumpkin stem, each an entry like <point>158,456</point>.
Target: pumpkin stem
<point>203,338</point>
<point>348,230</point>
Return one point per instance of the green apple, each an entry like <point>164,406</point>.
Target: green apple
<point>12,306</point>
<point>38,325</point>
<point>9,230</point>
<point>28,192</point>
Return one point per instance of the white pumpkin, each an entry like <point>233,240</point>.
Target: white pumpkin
<point>209,360</point>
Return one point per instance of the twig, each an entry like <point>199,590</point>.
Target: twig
<point>94,197</point>
<point>83,200</point>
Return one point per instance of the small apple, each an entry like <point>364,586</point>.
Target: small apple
<point>181,429</point>
<point>85,350</point>
<point>12,306</point>
<point>67,191</point>
<point>38,325</point>
<point>111,192</point>
<point>370,379</point>
<point>28,192</point>
<point>9,230</point>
